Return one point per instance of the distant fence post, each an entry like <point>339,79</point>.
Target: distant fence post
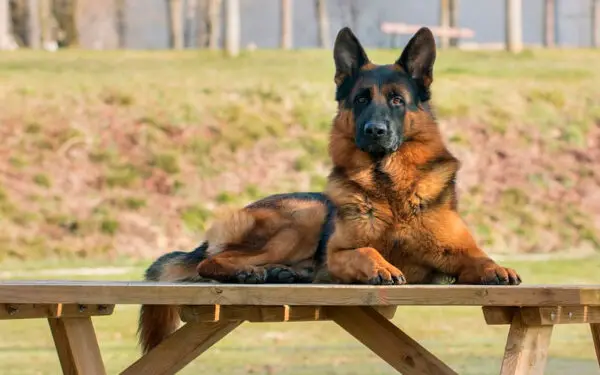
<point>514,26</point>
<point>595,12</point>
<point>286,24</point>
<point>454,16</point>
<point>549,23</point>
<point>232,27</point>
<point>323,22</point>
<point>121,22</point>
<point>5,22</point>
<point>33,24</point>
<point>444,22</point>
<point>175,10</point>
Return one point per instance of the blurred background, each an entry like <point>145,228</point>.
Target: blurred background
<point>127,125</point>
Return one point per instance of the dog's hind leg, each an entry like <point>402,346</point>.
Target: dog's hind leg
<point>249,265</point>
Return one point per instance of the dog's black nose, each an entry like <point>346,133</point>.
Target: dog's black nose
<point>376,129</point>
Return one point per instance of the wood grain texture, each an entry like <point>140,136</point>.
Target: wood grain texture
<point>182,347</point>
<point>76,345</point>
<point>32,310</point>
<point>257,314</point>
<point>526,349</point>
<point>388,341</point>
<point>543,315</point>
<point>560,315</point>
<point>311,295</point>
<point>494,315</point>
<point>596,337</point>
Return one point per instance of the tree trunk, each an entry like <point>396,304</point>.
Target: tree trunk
<point>175,12</point>
<point>595,24</point>
<point>209,24</point>
<point>190,15</point>
<point>323,22</point>
<point>286,24</point>
<point>65,12</point>
<point>454,17</point>
<point>549,37</point>
<point>444,21</point>
<point>514,26</point>
<point>121,22</point>
<point>33,24</point>
<point>46,23</point>
<point>232,27</point>
<point>4,24</point>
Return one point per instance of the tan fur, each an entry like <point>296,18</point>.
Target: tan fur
<point>230,229</point>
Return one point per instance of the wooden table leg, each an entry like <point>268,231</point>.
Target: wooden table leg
<point>596,336</point>
<point>77,346</point>
<point>388,341</point>
<point>526,349</point>
<point>180,348</point>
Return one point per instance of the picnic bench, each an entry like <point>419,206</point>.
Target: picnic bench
<point>211,311</point>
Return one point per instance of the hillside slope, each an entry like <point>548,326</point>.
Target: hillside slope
<point>132,153</point>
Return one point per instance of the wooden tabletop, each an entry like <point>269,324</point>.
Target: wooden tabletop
<point>95,292</point>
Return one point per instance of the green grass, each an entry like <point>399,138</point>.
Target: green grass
<point>458,335</point>
<point>166,138</point>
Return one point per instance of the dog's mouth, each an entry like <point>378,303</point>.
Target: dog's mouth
<point>380,149</point>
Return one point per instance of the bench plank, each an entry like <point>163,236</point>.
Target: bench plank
<point>543,316</point>
<point>57,310</point>
<point>180,348</point>
<point>253,314</point>
<point>311,295</point>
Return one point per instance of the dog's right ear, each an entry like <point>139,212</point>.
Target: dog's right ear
<point>348,54</point>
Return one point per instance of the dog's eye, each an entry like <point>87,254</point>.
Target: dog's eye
<point>361,99</point>
<point>397,101</point>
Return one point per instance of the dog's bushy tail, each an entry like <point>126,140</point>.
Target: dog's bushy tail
<point>156,322</point>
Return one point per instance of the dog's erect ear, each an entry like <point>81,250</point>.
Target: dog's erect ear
<point>348,54</point>
<point>417,60</point>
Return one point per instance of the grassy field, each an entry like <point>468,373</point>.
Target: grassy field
<point>458,335</point>
<point>109,158</point>
<point>108,154</point>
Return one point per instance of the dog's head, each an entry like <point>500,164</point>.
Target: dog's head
<point>383,101</point>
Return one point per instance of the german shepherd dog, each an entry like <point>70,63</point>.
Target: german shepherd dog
<point>388,215</point>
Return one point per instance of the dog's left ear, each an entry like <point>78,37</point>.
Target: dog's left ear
<point>417,60</point>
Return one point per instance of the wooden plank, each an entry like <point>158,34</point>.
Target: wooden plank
<point>31,310</point>
<point>182,347</point>
<point>595,327</point>
<point>526,349</point>
<point>388,341</point>
<point>499,315</point>
<point>561,315</point>
<point>214,313</point>
<point>77,347</point>
<point>294,295</point>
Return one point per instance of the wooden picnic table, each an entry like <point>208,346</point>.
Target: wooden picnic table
<point>211,311</point>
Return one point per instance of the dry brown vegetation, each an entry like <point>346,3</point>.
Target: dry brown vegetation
<point>108,154</point>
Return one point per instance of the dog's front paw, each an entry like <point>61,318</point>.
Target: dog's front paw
<point>489,273</point>
<point>384,274</point>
